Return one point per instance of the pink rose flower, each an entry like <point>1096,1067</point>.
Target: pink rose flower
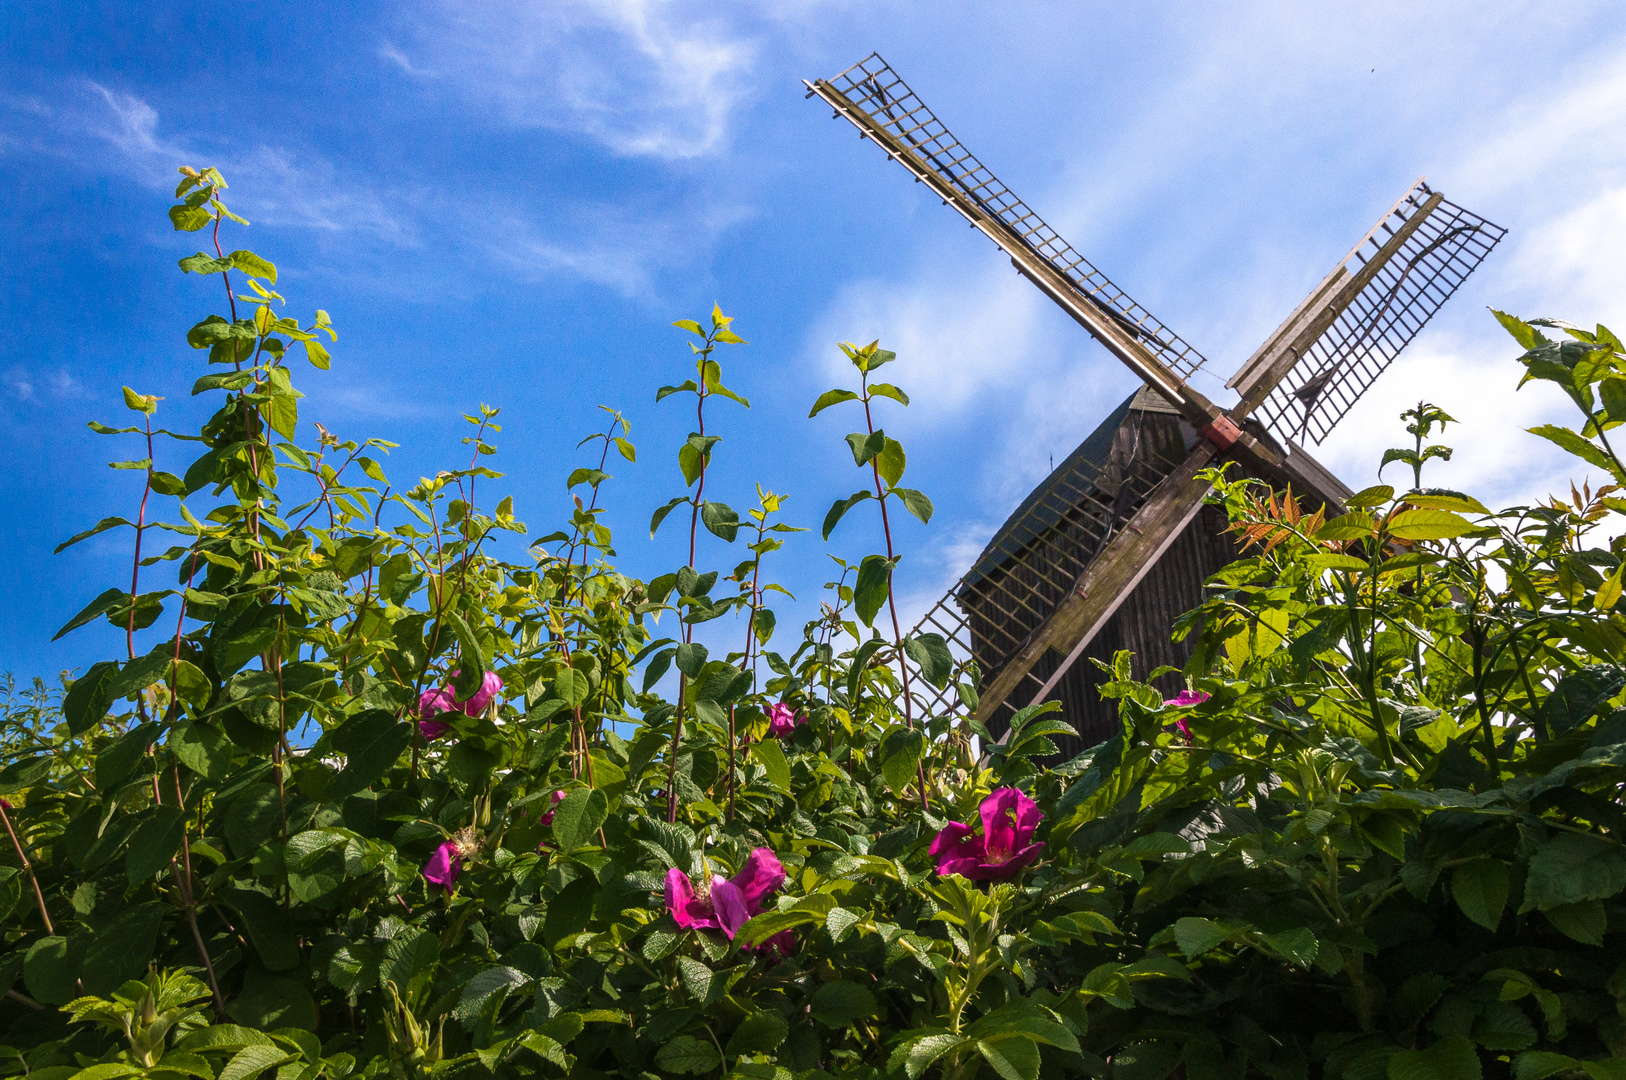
<point>783,720</point>
<point>1185,699</point>
<point>442,699</point>
<point>444,865</point>
<point>1005,846</point>
<point>728,903</point>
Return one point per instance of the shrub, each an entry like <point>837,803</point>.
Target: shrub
<point>369,809</point>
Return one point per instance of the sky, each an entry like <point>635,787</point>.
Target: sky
<point>509,203</point>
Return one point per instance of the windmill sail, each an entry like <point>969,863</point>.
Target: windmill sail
<point>1380,296</point>
<point>880,104</point>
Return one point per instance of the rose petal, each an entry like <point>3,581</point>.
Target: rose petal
<point>761,875</point>
<point>729,903</point>
<point>444,865</point>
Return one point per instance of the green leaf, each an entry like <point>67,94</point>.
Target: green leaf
<point>900,757</point>
<point>572,687</point>
<point>930,652</point>
<point>839,1004</point>
<point>1583,920</point>
<point>1354,525</point>
<point>251,1061</point>
<point>887,390</point>
<point>85,704</point>
<point>691,657</point>
<point>916,503</point>
<point>1480,890</point>
<point>829,398</point>
<point>918,1056</point>
<point>720,520</point>
<point>1425,524</point>
<point>487,983</point>
<point>1297,945</point>
<point>100,527</point>
<point>759,1033</point>
<point>122,949</point>
<point>189,218</point>
<point>1145,1061</point>
<point>661,512</point>
<point>1568,440</point>
<point>839,508</point>
<point>107,601</point>
<point>51,968</point>
<point>1540,1064</point>
<point>578,817</point>
<point>154,842</point>
<point>1450,1058</point>
<point>872,588</point>
<point>571,910</point>
<point>471,656</point>
<point>865,446</point>
<point>687,1054</point>
<point>891,461</point>
<point>1013,1059</point>
<point>769,754</point>
<point>1368,498</point>
<point>1196,936</point>
<point>1574,867</point>
<point>317,354</point>
<point>254,266</point>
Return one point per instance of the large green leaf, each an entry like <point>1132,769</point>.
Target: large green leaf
<point>687,1054</point>
<point>872,588</point>
<point>578,817</point>
<point>1573,867</point>
<point>838,1004</point>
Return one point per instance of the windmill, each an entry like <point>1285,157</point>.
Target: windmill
<point>1117,538</point>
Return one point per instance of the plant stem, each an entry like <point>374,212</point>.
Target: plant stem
<point>891,599</point>
<point>28,868</point>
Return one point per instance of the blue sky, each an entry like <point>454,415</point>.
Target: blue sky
<point>508,203</point>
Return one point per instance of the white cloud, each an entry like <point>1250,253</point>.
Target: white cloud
<point>645,78</point>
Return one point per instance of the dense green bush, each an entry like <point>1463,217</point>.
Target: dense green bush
<point>363,798</point>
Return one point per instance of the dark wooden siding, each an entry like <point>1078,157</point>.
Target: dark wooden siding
<point>1143,625</point>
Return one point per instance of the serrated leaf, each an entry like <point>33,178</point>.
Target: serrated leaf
<point>578,817</point>
<point>1480,889</point>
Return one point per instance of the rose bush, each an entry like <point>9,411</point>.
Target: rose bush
<point>356,799</point>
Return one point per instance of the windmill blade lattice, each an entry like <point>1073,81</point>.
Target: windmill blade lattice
<point>1444,243</point>
<point>873,87</point>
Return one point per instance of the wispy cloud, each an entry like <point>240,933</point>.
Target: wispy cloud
<point>644,78</point>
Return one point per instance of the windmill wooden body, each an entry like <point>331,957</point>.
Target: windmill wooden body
<point>1116,542</point>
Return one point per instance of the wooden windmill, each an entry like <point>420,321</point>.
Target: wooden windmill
<point>1116,542</point>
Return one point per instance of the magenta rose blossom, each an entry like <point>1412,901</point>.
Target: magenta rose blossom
<point>444,865</point>
<point>783,720</point>
<point>1009,819</point>
<point>1184,700</point>
<point>432,703</point>
<point>728,903</point>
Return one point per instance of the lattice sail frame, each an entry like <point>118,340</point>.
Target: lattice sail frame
<point>873,86</point>
<point>1441,251</point>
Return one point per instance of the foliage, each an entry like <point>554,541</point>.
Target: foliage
<point>1386,843</point>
